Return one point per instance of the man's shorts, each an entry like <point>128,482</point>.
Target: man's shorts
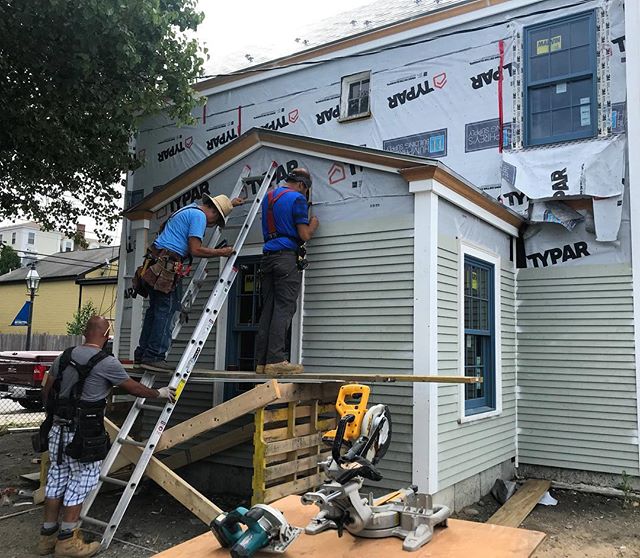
<point>71,480</point>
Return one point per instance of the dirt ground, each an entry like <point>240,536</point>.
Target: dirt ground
<point>580,526</point>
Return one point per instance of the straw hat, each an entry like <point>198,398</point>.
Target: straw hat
<point>223,204</point>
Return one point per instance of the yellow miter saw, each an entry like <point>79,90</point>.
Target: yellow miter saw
<point>359,442</point>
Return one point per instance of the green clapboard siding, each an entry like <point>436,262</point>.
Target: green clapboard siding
<point>358,317</point>
<point>576,369</point>
<point>467,449</point>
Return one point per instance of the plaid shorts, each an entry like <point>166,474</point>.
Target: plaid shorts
<point>71,480</point>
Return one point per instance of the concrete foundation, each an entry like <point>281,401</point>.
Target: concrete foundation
<point>575,476</point>
<point>468,491</point>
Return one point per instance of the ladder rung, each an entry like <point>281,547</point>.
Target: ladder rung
<point>146,407</point>
<point>111,480</point>
<point>95,521</point>
<point>132,442</point>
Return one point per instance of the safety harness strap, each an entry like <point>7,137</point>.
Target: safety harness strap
<point>271,222</point>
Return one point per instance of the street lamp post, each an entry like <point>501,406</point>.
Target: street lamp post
<point>33,281</point>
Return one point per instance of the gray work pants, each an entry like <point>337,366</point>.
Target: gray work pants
<point>280,286</point>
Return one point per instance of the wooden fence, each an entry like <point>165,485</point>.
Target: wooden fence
<point>39,342</point>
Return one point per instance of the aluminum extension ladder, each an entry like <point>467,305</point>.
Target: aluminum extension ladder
<point>200,274</point>
<point>178,381</point>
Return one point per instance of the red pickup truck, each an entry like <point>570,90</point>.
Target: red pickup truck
<point>21,374</point>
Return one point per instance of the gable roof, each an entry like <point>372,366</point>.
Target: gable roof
<point>436,13</point>
<point>409,166</point>
<point>338,26</point>
<point>65,264</point>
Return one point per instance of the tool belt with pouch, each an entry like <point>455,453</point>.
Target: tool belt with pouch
<point>160,269</point>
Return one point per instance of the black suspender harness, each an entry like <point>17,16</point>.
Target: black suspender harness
<point>90,441</point>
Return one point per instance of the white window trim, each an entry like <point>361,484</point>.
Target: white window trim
<point>466,248</point>
<point>344,96</point>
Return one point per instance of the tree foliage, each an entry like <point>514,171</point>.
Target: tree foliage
<point>76,78</point>
<point>80,318</point>
<point>9,259</point>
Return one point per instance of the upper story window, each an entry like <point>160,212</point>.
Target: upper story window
<point>31,238</point>
<point>68,246</point>
<point>354,96</point>
<point>479,335</point>
<point>560,80</point>
<point>13,238</point>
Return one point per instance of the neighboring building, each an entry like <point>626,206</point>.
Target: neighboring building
<point>68,280</point>
<point>32,243</point>
<point>525,100</point>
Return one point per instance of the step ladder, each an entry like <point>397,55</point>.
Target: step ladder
<point>178,381</point>
<point>200,274</point>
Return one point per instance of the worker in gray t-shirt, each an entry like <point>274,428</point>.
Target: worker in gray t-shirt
<point>70,480</point>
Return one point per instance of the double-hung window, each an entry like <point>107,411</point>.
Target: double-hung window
<point>354,96</point>
<point>560,77</point>
<point>479,335</point>
<point>31,238</point>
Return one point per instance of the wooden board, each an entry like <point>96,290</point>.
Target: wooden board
<point>337,376</point>
<point>519,506</point>
<point>462,539</point>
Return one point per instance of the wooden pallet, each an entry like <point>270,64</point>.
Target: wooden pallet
<point>288,441</point>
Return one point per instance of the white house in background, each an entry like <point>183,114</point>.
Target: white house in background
<point>32,243</point>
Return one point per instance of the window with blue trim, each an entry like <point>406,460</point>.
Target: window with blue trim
<point>560,80</point>
<point>479,335</point>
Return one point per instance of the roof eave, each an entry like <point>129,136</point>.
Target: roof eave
<point>433,16</point>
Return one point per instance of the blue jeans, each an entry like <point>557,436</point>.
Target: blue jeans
<point>155,337</point>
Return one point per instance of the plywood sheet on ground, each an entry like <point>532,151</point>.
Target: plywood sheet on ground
<point>460,539</point>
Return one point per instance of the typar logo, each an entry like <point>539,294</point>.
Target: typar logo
<point>337,173</point>
<point>490,76</point>
<point>222,139</point>
<point>412,93</point>
<point>341,171</point>
<point>294,115</point>
<point>327,115</point>
<point>440,80</point>
<point>559,182</point>
<point>177,147</point>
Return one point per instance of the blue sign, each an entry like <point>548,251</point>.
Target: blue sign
<point>618,117</point>
<point>22,318</point>
<point>426,144</point>
<point>485,135</point>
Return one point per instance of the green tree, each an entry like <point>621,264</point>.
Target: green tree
<point>80,318</point>
<point>76,78</point>
<point>9,259</point>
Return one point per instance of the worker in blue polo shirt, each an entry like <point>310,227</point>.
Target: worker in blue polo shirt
<point>285,227</point>
<point>181,236</point>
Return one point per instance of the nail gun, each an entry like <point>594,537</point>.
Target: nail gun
<point>357,445</point>
<point>266,530</point>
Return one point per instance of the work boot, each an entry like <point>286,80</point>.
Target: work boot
<point>47,543</point>
<point>260,369</point>
<point>75,547</point>
<point>283,368</point>
<point>159,365</point>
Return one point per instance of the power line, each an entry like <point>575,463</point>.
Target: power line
<point>51,257</point>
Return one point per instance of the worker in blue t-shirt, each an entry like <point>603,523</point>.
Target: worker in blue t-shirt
<point>180,237</point>
<point>285,227</point>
